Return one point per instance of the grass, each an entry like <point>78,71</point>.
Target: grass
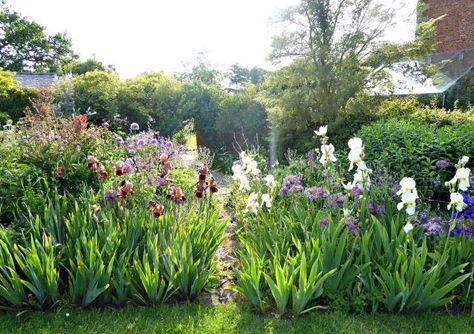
<point>231,318</point>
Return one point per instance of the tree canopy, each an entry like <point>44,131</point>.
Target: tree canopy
<point>335,50</point>
<point>25,46</point>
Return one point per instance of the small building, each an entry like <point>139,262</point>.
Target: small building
<point>36,80</point>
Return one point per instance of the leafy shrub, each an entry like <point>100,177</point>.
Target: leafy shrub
<point>412,148</point>
<point>17,100</point>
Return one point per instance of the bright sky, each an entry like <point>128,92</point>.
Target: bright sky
<point>152,35</point>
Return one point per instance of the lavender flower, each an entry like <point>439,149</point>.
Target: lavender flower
<point>291,184</point>
<point>110,194</point>
<point>356,191</point>
<point>375,209</point>
<point>352,226</point>
<point>160,181</point>
<point>128,166</point>
<point>435,226</point>
<point>441,164</point>
<point>119,140</point>
<point>335,200</point>
<point>323,222</point>
<point>154,142</point>
<point>311,156</point>
<point>134,127</point>
<point>316,193</point>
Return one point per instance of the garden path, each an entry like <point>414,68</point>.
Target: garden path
<point>226,253</point>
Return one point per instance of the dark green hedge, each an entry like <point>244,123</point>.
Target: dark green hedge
<point>409,147</point>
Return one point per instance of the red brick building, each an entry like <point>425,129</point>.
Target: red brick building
<point>456,31</point>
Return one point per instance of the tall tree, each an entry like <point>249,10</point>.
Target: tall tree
<point>25,46</point>
<point>335,50</point>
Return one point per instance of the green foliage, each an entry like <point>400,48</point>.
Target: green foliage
<point>96,92</point>
<point>241,122</point>
<point>151,99</point>
<point>38,263</point>
<point>412,147</point>
<point>82,67</point>
<point>16,100</point>
<point>329,69</point>
<point>11,287</point>
<point>6,82</point>
<point>149,285</point>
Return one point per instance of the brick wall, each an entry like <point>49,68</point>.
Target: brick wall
<point>456,30</point>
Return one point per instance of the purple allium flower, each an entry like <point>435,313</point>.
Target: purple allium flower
<point>132,151</point>
<point>441,164</point>
<point>134,127</point>
<point>352,226</point>
<point>128,166</point>
<point>154,142</point>
<point>141,142</point>
<point>335,200</point>
<point>160,181</point>
<point>375,209</point>
<point>110,194</point>
<point>435,226</point>
<point>356,191</point>
<point>323,222</point>
<point>316,193</point>
<point>311,156</point>
<point>291,183</point>
<point>119,140</point>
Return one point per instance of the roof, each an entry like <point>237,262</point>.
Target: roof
<point>406,77</point>
<point>38,80</point>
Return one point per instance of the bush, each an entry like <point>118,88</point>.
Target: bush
<point>16,101</point>
<point>412,148</point>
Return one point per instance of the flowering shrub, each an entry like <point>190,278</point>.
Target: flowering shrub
<point>95,218</point>
<point>358,236</point>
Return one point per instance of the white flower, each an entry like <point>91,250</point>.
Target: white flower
<point>408,227</point>
<point>348,186</point>
<point>362,179</point>
<point>408,202</point>
<point>244,183</point>
<point>237,172</point>
<point>246,159</point>
<point>322,131</point>
<point>464,160</point>
<point>462,175</point>
<point>270,181</point>
<point>266,200</point>
<point>355,144</point>
<point>346,212</point>
<point>407,184</point>
<point>356,152</point>
<point>457,200</point>
<point>251,204</point>
<point>327,154</point>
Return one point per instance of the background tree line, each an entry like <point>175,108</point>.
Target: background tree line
<point>330,55</point>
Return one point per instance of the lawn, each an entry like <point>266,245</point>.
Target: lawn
<point>231,318</point>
